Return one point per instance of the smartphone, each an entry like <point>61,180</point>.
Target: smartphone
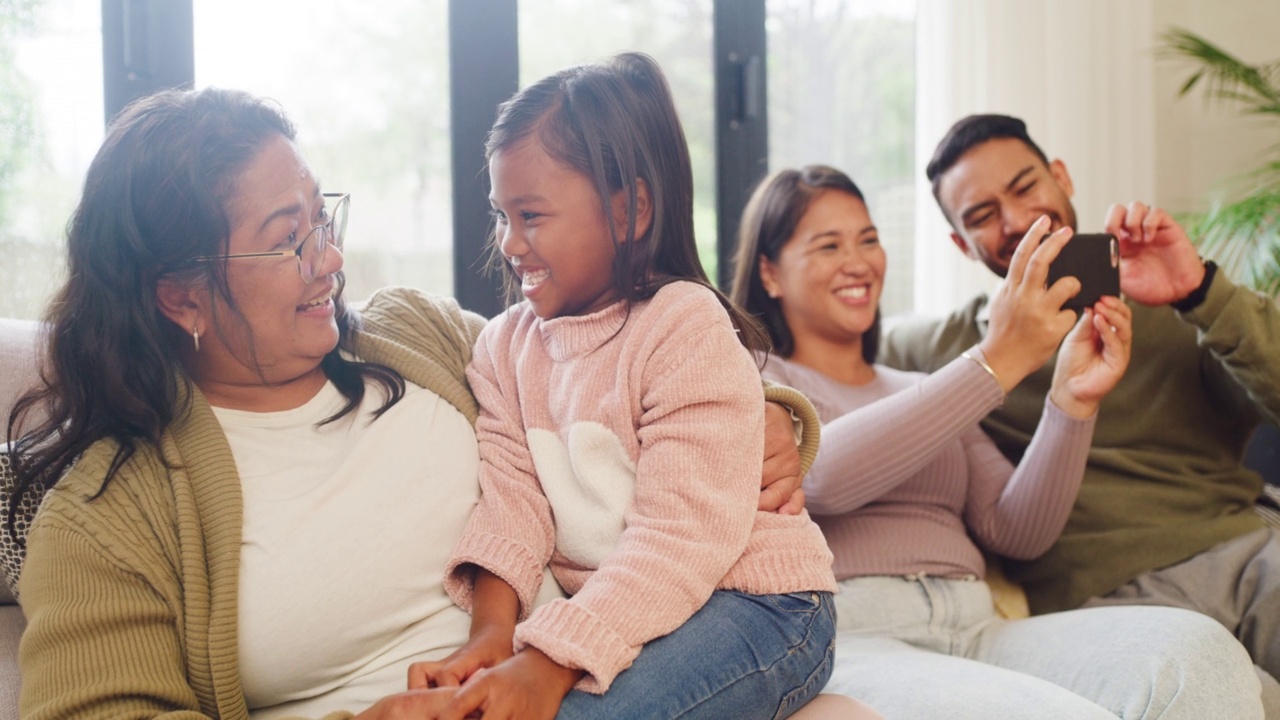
<point>1093,259</point>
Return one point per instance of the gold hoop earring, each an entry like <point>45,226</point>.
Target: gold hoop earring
<point>195,335</point>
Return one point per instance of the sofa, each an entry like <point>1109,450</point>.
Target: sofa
<point>17,371</point>
<point>18,364</point>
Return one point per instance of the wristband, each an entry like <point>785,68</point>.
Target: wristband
<point>1195,297</point>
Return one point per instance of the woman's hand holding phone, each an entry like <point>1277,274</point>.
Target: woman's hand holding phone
<point>1093,358</point>
<point>1028,321</point>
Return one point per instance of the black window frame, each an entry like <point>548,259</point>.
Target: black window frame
<point>148,45</point>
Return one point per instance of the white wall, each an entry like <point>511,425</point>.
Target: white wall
<point>1086,77</point>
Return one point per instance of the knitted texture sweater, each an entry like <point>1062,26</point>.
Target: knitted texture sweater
<point>624,448</point>
<point>131,598</point>
<point>906,482</point>
<point>1164,479</point>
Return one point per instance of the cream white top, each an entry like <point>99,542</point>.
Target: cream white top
<point>347,528</point>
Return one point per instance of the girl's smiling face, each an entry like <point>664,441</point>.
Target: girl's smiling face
<point>551,227</point>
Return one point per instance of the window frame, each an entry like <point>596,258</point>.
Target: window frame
<point>148,46</point>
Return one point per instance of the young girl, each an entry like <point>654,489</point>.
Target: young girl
<point>620,433</point>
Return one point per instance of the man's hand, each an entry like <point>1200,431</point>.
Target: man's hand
<point>1158,263</point>
<point>780,481</point>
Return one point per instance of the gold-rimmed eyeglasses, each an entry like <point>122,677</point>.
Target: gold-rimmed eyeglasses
<point>310,252</point>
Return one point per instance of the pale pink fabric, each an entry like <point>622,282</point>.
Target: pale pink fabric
<point>649,420</point>
<point>906,482</point>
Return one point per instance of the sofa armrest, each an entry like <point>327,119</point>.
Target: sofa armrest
<point>12,623</point>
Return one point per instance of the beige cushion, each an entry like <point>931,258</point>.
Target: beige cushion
<point>17,363</point>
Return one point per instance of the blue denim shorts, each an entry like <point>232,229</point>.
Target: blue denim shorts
<point>740,656</point>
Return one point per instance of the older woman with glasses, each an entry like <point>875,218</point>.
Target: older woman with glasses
<point>257,486</point>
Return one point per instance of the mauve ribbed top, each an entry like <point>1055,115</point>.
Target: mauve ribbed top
<point>906,482</point>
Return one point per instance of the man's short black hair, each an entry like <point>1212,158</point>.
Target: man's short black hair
<point>969,132</point>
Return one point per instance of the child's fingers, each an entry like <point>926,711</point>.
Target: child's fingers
<point>420,674</point>
<point>471,698</point>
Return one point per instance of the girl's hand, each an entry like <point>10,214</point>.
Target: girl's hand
<point>409,705</point>
<point>1093,358</point>
<point>529,686</point>
<point>487,647</point>
<point>1027,319</point>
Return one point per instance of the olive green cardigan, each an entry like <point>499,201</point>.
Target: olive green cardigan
<point>131,598</point>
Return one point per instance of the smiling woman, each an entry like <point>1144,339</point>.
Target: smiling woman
<point>233,441</point>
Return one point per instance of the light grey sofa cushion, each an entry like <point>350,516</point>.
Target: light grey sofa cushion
<point>18,356</point>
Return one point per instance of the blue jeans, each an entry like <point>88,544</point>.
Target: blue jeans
<point>740,656</point>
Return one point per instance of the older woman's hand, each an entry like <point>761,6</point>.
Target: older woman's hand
<point>780,480</point>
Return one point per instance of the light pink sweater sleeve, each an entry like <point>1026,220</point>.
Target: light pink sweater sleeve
<point>511,532</point>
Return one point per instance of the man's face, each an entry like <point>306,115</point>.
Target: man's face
<point>995,192</point>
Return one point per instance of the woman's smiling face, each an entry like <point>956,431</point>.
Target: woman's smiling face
<point>288,325</point>
<point>830,273</point>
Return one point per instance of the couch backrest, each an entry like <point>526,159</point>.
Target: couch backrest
<point>18,355</point>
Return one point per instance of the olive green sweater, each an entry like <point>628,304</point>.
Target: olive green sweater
<point>1164,480</point>
<point>131,598</point>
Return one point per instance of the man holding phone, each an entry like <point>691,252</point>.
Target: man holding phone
<point>1165,513</point>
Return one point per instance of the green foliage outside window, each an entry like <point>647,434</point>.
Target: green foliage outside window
<point>18,139</point>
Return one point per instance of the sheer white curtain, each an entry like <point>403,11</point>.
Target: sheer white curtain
<point>1079,72</point>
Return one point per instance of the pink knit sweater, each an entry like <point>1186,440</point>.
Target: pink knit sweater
<point>624,449</point>
<point>907,482</point>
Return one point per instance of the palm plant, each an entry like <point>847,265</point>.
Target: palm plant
<point>1242,229</point>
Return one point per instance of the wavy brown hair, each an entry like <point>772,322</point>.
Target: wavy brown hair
<point>155,201</point>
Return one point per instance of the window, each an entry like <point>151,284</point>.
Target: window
<point>842,93</point>
<point>51,123</point>
<point>368,91</point>
<point>555,34</point>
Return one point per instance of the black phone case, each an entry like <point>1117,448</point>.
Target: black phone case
<point>1094,259</point>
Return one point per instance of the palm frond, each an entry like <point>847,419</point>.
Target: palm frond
<point>1241,231</point>
<point>1244,237</point>
<point>1225,76</point>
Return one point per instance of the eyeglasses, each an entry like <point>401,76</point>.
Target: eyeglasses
<point>310,252</point>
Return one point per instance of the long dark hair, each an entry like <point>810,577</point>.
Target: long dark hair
<point>615,122</point>
<point>155,200</point>
<point>768,222</point>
